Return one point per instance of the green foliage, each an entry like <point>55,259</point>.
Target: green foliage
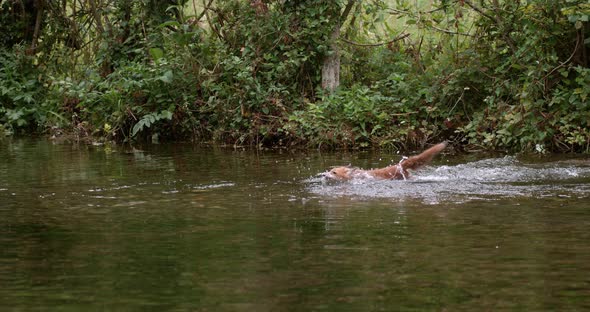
<point>135,98</point>
<point>21,93</point>
<point>355,117</point>
<point>149,119</point>
<point>533,96</point>
<point>267,62</point>
<point>363,117</point>
<point>497,74</point>
<point>570,110</point>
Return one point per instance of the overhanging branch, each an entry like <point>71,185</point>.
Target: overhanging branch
<point>400,37</point>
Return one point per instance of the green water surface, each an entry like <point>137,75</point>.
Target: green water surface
<point>184,228</point>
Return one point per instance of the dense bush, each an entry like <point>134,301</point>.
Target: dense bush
<point>495,74</point>
<point>22,93</point>
<point>532,87</point>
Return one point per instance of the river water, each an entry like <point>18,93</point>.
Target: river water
<point>185,228</point>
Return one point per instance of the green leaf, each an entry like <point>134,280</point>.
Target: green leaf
<point>138,126</point>
<point>166,115</point>
<point>169,23</point>
<point>156,53</point>
<point>167,77</point>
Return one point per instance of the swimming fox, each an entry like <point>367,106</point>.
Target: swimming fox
<point>393,172</point>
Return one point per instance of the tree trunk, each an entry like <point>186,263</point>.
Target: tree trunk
<point>37,31</point>
<point>96,15</point>
<point>331,66</point>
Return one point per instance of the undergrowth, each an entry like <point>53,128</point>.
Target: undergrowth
<point>502,75</point>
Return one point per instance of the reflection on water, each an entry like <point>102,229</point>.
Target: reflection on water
<point>178,227</point>
<point>484,179</point>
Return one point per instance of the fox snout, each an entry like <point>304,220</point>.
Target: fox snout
<point>337,173</point>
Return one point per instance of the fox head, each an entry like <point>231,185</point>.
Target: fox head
<point>339,173</point>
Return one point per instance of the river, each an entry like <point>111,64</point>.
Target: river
<point>180,227</point>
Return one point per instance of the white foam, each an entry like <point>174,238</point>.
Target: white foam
<point>489,179</point>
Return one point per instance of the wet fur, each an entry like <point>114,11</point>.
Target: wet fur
<point>393,172</point>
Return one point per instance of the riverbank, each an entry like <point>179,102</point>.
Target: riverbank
<point>246,73</point>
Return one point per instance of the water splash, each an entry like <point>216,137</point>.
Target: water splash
<point>484,179</point>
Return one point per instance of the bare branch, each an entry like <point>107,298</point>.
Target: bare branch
<point>397,11</point>
<point>481,11</point>
<point>496,21</point>
<point>97,17</point>
<point>450,32</point>
<point>566,61</point>
<point>204,10</point>
<point>211,25</point>
<point>347,10</point>
<point>37,31</point>
<point>400,37</point>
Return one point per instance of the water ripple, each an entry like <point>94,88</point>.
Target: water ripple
<point>484,179</point>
